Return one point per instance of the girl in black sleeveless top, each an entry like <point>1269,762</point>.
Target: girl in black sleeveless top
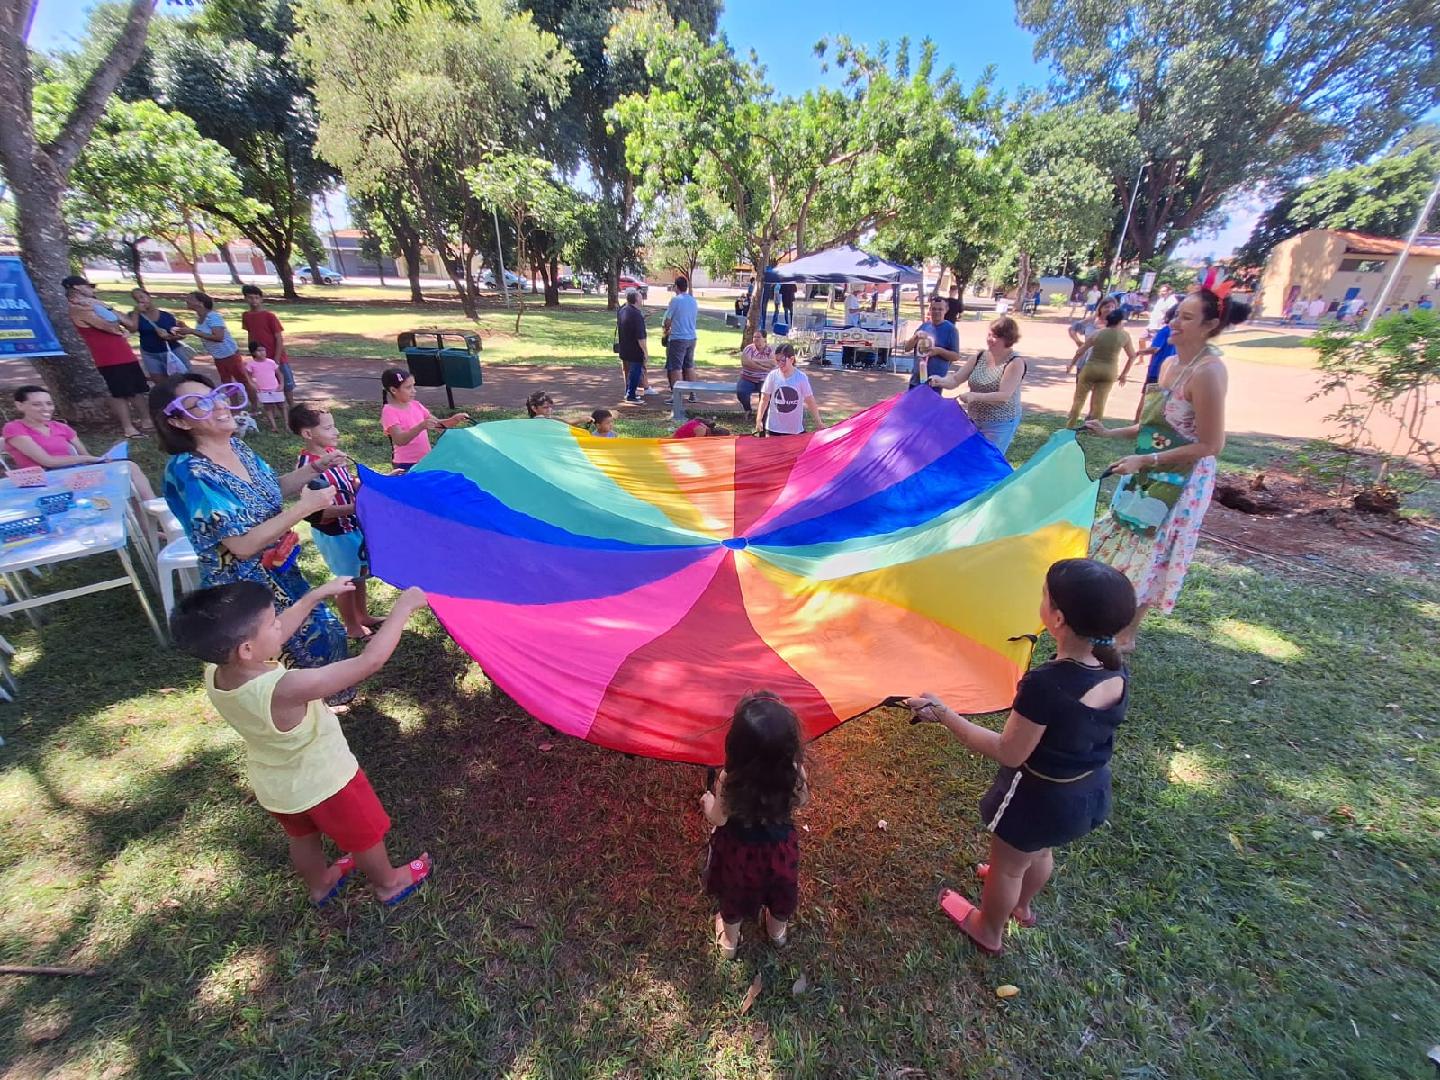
<point>1054,782</point>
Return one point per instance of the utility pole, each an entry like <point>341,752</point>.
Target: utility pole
<point>1389,287</point>
<point>1125,227</point>
<point>334,240</point>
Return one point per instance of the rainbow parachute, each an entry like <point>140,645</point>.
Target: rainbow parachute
<point>628,591</point>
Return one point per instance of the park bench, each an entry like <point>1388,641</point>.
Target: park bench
<point>680,389</point>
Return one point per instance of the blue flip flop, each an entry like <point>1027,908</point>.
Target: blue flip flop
<point>347,868</point>
<point>420,872</point>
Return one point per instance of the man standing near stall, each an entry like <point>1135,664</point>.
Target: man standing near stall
<point>944,341</point>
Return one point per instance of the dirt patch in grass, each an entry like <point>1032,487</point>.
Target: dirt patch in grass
<point>1297,520</point>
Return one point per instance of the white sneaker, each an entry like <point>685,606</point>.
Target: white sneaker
<point>650,391</point>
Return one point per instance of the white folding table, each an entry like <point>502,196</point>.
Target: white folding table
<point>113,527</point>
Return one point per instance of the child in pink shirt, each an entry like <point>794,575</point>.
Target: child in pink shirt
<point>265,374</point>
<point>406,421</point>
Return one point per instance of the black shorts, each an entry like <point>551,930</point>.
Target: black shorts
<point>125,380</point>
<point>1029,813</point>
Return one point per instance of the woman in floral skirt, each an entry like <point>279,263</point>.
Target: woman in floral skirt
<point>1165,485</point>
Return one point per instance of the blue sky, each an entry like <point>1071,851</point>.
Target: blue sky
<point>970,35</point>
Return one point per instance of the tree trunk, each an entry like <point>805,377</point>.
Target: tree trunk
<point>410,252</point>
<point>612,286</point>
<point>1022,287</point>
<point>194,254</point>
<point>229,257</point>
<point>286,273</point>
<point>132,259</point>
<point>37,175</point>
<point>752,318</point>
<point>310,248</point>
<point>550,274</point>
<point>520,261</point>
<point>960,282</point>
<point>72,380</point>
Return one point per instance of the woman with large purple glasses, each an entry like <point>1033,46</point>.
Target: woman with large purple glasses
<point>231,505</point>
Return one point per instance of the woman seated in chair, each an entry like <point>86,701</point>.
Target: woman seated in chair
<point>38,440</point>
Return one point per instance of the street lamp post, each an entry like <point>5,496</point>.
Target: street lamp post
<point>1125,227</point>
<point>1389,286</point>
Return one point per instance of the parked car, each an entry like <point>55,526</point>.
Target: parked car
<point>625,282</point>
<point>582,281</point>
<point>328,275</point>
<point>512,279</point>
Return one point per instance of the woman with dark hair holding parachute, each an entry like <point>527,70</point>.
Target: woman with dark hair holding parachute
<point>1166,484</point>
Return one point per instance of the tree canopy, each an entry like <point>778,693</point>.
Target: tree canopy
<point>786,173</point>
<point>1236,95</point>
<point>580,131</point>
<point>149,174</point>
<point>229,68</point>
<point>415,96</point>
<point>1381,197</point>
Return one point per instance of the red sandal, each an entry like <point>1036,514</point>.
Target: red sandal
<point>419,872</point>
<point>346,863</point>
<point>960,909</point>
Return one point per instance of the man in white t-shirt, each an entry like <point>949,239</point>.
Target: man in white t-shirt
<point>1159,312</point>
<point>785,395</point>
<point>852,306</point>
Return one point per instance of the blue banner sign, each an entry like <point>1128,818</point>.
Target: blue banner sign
<point>25,329</point>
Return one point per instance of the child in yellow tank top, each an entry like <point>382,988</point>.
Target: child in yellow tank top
<point>300,766</point>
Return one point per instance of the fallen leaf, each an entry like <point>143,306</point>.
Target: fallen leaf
<point>168,690</point>
<point>546,747</point>
<point>1237,843</point>
<point>1318,834</point>
<point>801,985</point>
<point>883,825</point>
<point>1006,991</point>
<point>756,985</point>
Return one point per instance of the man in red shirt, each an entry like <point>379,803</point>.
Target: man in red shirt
<point>264,328</point>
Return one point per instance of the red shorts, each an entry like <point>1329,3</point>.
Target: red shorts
<point>232,368</point>
<point>352,817</point>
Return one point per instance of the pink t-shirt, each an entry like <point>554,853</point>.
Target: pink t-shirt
<point>407,416</point>
<point>57,442</point>
<point>266,373</point>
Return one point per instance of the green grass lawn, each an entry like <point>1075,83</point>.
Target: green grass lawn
<point>1262,904</point>
<point>354,322</point>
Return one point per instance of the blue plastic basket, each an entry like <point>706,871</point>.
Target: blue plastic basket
<point>20,525</point>
<point>56,502</point>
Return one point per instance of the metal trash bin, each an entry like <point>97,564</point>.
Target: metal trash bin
<point>424,364</point>
<point>439,365</point>
<point>461,367</point>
